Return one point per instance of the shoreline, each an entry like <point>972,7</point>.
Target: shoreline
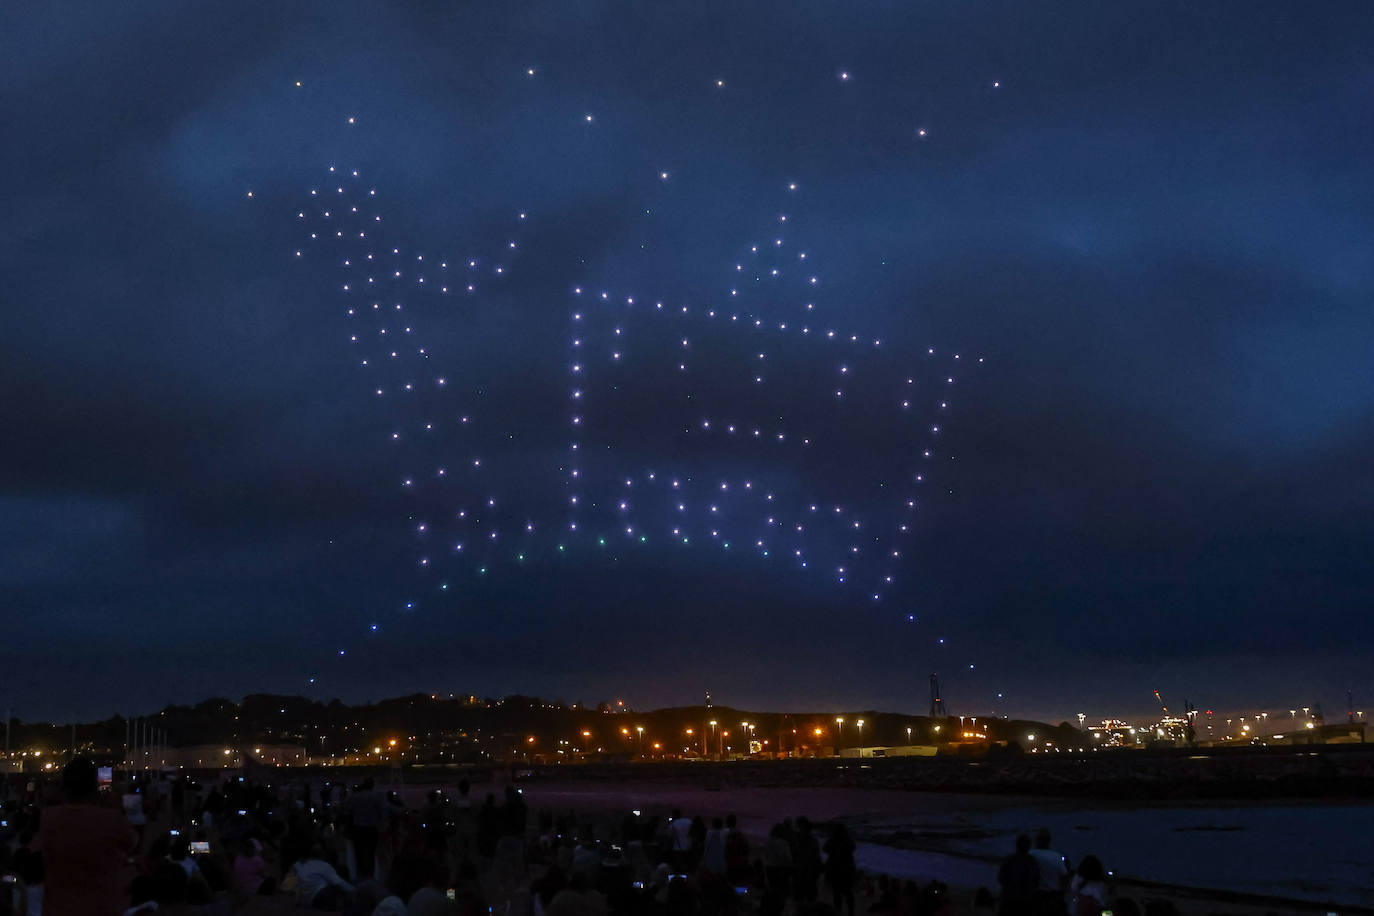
<point>873,813</point>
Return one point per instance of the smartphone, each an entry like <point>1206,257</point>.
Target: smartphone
<point>10,879</point>
<point>174,832</point>
<point>745,890</point>
<point>451,894</point>
<point>638,885</point>
<point>200,847</point>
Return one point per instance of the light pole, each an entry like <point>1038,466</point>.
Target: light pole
<point>859,723</point>
<point>839,731</point>
<point>640,729</point>
<point>908,734</point>
<point>713,734</point>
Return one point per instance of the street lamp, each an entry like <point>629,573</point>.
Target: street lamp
<point>839,730</point>
<point>860,724</point>
<point>640,729</point>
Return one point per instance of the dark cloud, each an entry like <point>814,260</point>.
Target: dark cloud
<point>1155,230</point>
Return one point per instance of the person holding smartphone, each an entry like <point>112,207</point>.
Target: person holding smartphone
<point>86,848</point>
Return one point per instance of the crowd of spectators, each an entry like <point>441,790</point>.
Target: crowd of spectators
<point>240,844</point>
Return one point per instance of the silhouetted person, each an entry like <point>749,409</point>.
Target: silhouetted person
<point>85,848</point>
<point>318,885</point>
<point>807,861</point>
<point>468,899</point>
<point>178,801</point>
<point>777,862</point>
<point>1088,889</point>
<point>514,814</point>
<point>713,854</point>
<point>28,867</point>
<point>697,837</point>
<point>680,836</point>
<point>736,853</point>
<point>436,823</point>
<point>1054,876</point>
<point>488,827</point>
<point>366,808</point>
<point>544,889</point>
<point>577,899</point>
<point>213,809</point>
<point>1018,877</point>
<point>840,870</point>
<point>464,816</point>
<point>250,869</point>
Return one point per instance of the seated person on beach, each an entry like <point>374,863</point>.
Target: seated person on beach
<point>1088,889</point>
<point>250,869</point>
<point>577,899</point>
<point>318,885</point>
<point>1018,876</point>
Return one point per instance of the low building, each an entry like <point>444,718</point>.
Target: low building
<point>217,756</point>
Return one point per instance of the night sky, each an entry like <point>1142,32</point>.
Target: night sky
<point>1151,223</point>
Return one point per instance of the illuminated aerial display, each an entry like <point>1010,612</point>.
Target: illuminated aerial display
<point>728,426</point>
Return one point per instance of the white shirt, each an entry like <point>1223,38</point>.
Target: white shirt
<point>682,827</point>
<point>314,875</point>
<point>1080,889</point>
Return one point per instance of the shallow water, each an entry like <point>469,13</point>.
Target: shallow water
<point>1316,851</point>
<point>1319,852</point>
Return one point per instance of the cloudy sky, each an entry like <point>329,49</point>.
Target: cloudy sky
<point>1151,221</point>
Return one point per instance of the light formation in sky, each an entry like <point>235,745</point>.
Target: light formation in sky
<point>727,421</point>
<point>692,427</point>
